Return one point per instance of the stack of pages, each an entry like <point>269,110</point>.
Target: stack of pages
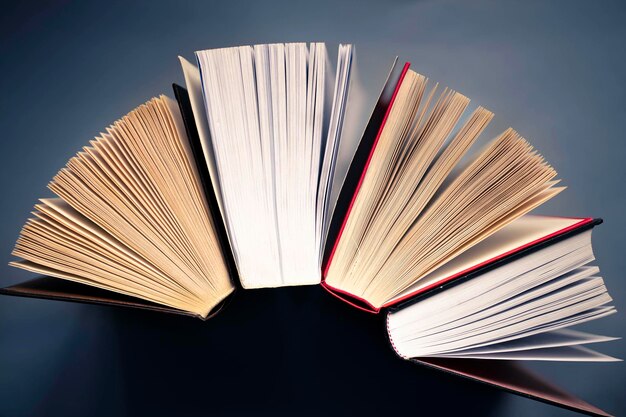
<point>260,174</point>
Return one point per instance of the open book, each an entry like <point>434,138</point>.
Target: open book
<point>519,310</point>
<point>515,309</point>
<point>134,216</point>
<point>404,211</point>
<point>270,119</point>
<point>242,181</point>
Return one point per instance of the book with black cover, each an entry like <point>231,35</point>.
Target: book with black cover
<point>505,372</point>
<point>47,287</point>
<point>424,119</point>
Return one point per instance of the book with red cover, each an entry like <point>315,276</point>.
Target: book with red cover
<point>543,236</point>
<point>59,289</point>
<point>507,375</point>
<point>354,179</point>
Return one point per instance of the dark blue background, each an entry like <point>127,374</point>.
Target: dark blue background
<point>553,70</point>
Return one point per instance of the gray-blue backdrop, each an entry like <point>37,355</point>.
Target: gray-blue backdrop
<point>553,70</point>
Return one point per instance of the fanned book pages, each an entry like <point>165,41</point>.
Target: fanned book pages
<point>407,206</point>
<point>132,218</point>
<point>265,173</point>
<point>519,308</point>
<point>274,117</point>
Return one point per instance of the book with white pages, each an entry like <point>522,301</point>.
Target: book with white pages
<point>278,134</point>
<point>521,309</point>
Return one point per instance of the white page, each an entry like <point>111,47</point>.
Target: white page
<point>462,302</point>
<point>266,112</point>
<point>232,113</point>
<point>509,308</point>
<point>333,139</point>
<point>563,353</point>
<point>516,320</point>
<point>556,338</point>
<point>354,121</point>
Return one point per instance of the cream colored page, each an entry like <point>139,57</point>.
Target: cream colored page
<point>524,230</point>
<point>139,219</point>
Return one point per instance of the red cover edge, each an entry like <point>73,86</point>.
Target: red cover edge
<point>576,225</point>
<point>336,292</point>
<point>358,187</point>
